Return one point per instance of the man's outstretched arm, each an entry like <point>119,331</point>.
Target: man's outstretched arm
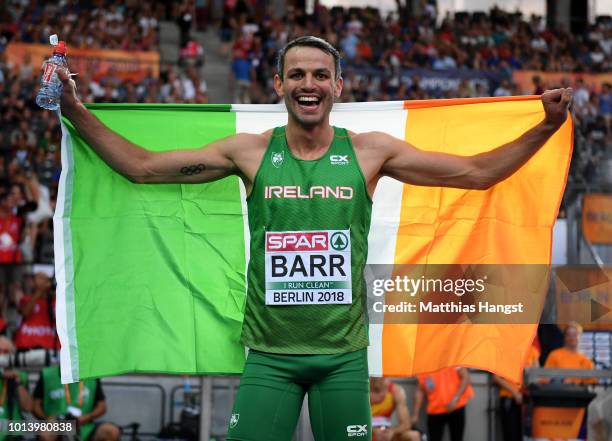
<point>411,165</point>
<point>140,165</point>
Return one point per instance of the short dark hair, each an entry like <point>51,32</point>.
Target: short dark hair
<point>309,41</point>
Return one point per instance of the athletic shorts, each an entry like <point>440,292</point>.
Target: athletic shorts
<point>272,390</point>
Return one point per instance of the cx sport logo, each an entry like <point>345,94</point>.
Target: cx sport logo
<point>357,430</point>
<point>339,159</point>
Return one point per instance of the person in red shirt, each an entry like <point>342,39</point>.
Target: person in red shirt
<point>11,227</point>
<point>37,329</point>
<point>448,391</point>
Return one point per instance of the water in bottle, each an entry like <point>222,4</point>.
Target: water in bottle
<point>51,87</point>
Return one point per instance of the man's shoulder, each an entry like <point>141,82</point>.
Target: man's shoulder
<point>367,140</point>
<point>584,358</point>
<point>253,137</point>
<point>251,140</point>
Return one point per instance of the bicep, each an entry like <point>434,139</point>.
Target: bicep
<point>204,164</point>
<point>411,165</point>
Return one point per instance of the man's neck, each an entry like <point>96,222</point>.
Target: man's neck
<point>309,142</point>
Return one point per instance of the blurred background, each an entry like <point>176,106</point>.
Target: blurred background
<point>185,51</point>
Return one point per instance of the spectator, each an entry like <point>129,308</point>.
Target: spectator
<point>605,103</point>
<point>192,54</point>
<point>37,329</point>
<point>387,398</point>
<point>511,400</point>
<point>448,391</point>
<point>503,89</point>
<point>568,356</point>
<point>241,68</point>
<point>15,398</point>
<point>185,19</point>
<point>581,94</point>
<point>538,87</point>
<point>83,401</point>
<point>11,226</point>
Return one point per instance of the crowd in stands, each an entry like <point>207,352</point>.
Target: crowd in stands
<point>93,25</point>
<point>377,51</point>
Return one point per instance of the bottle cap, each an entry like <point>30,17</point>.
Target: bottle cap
<point>60,48</point>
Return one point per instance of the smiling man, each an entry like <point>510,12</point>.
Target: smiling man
<point>309,189</point>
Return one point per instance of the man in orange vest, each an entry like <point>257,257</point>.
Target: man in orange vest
<point>448,391</point>
<point>387,397</point>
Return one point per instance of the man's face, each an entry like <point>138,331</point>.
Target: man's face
<point>42,281</point>
<point>309,86</point>
<point>571,338</point>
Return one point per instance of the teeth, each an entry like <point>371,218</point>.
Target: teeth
<point>308,98</point>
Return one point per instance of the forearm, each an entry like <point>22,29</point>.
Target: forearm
<point>496,165</point>
<point>97,412</point>
<point>462,385</point>
<point>122,155</point>
<point>37,410</point>
<point>501,382</point>
<point>25,400</point>
<point>418,401</point>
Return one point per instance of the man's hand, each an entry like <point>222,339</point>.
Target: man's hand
<point>556,103</point>
<point>10,375</point>
<point>69,94</point>
<point>383,434</point>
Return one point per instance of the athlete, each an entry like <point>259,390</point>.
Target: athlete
<point>305,320</point>
<point>387,398</point>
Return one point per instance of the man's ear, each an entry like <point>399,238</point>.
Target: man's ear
<point>338,90</point>
<point>278,85</point>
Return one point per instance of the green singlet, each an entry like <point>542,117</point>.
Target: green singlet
<point>305,319</point>
<point>309,222</point>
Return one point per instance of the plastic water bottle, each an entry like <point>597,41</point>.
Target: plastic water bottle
<point>51,87</point>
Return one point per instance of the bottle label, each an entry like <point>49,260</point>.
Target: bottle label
<point>49,70</point>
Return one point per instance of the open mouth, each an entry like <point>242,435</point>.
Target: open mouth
<point>310,102</point>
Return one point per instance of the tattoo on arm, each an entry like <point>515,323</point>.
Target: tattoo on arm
<point>195,169</point>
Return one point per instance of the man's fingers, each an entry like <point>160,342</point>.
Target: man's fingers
<point>567,96</point>
<point>552,95</point>
<point>63,75</point>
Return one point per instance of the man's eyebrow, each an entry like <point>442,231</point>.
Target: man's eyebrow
<point>300,70</point>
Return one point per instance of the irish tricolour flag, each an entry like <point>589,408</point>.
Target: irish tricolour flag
<point>151,278</point>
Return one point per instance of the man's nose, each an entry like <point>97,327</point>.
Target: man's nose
<point>308,81</point>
